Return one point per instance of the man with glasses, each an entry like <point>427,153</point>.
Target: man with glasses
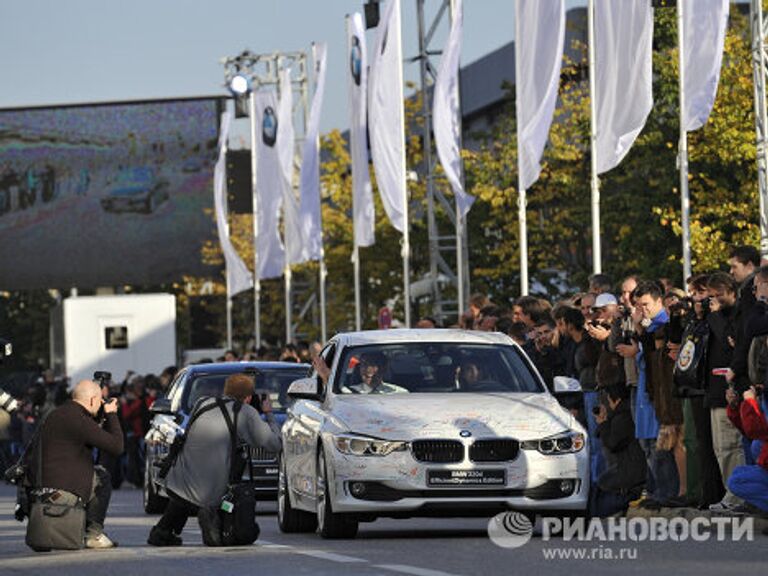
<point>67,439</point>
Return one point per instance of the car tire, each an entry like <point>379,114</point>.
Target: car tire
<point>153,502</point>
<point>330,524</point>
<point>290,520</point>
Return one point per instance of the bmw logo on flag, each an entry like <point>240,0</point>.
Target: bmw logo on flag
<point>356,60</point>
<point>269,127</point>
<point>465,433</point>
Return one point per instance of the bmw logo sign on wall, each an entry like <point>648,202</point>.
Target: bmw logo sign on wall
<point>356,60</point>
<point>269,127</point>
<point>465,433</point>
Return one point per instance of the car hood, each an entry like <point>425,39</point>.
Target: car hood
<point>410,416</point>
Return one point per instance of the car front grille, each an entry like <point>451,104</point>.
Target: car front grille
<point>494,450</point>
<point>261,455</point>
<point>438,451</point>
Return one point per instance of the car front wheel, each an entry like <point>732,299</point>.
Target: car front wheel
<point>330,524</point>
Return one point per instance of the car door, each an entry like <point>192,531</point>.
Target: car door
<point>301,438</point>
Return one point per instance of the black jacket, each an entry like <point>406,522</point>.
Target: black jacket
<point>722,325</point>
<point>626,462</point>
<point>67,440</point>
<point>744,306</point>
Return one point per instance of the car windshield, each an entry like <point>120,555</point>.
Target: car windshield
<point>429,367</point>
<point>274,381</point>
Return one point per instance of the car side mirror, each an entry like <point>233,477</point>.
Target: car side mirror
<point>305,389</point>
<point>161,406</point>
<point>564,384</point>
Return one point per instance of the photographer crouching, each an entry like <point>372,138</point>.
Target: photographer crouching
<point>63,456</point>
<point>205,465</point>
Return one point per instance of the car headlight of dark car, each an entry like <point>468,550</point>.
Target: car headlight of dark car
<point>567,443</point>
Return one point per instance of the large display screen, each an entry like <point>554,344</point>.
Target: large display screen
<point>106,195</point>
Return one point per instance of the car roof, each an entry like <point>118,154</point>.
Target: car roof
<point>234,367</point>
<point>421,335</point>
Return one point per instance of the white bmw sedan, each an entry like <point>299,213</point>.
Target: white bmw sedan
<point>425,423</point>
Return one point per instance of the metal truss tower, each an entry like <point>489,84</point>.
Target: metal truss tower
<point>760,74</point>
<point>447,235</point>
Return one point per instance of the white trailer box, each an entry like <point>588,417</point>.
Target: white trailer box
<point>113,333</point>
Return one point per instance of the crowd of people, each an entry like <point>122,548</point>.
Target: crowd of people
<point>672,382</point>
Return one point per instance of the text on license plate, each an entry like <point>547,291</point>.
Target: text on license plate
<point>466,478</point>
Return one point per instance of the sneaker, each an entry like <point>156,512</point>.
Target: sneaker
<point>161,537</point>
<point>720,508</point>
<point>99,542</point>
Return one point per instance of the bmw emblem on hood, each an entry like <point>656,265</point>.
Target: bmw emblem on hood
<point>465,433</point>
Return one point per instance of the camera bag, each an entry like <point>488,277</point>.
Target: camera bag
<point>56,517</point>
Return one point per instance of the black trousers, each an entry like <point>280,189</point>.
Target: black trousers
<point>712,489</point>
<point>176,513</point>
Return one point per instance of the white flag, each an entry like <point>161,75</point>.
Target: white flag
<point>292,230</point>
<point>269,187</point>
<point>447,115</point>
<point>705,23</point>
<point>363,214</point>
<point>385,114</point>
<point>239,278</point>
<point>539,40</point>
<point>310,166</point>
<point>623,50</point>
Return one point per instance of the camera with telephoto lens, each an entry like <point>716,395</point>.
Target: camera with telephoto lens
<point>102,378</point>
<point>678,312</point>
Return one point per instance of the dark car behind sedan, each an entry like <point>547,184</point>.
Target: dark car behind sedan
<point>171,414</point>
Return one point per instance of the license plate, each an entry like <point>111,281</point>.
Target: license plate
<point>450,478</point>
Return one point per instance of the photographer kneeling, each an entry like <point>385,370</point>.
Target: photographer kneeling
<point>625,476</point>
<point>198,479</point>
<point>64,455</point>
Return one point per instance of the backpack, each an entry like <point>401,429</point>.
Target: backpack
<point>688,374</point>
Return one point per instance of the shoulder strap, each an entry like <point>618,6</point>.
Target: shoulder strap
<point>232,426</point>
<point>198,411</point>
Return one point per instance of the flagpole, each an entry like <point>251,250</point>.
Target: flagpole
<point>460,221</point>
<point>355,248</point>
<point>521,199</point>
<point>685,201</point>
<point>594,182</point>
<point>322,272</point>
<point>288,303</point>
<point>254,196</point>
<point>406,251</point>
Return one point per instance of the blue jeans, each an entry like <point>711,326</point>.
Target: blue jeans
<point>751,483</point>
<point>596,457</point>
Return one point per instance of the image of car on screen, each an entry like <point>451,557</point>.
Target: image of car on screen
<point>136,190</point>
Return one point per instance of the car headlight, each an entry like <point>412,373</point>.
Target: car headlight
<point>362,446</point>
<point>562,444</point>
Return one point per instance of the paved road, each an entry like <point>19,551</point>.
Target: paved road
<point>420,547</point>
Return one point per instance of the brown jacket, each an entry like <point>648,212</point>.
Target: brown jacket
<point>67,440</point>
<point>659,369</point>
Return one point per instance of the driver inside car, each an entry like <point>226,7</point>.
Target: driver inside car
<point>467,375</point>
<point>370,367</point>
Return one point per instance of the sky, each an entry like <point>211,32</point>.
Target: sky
<point>83,51</point>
